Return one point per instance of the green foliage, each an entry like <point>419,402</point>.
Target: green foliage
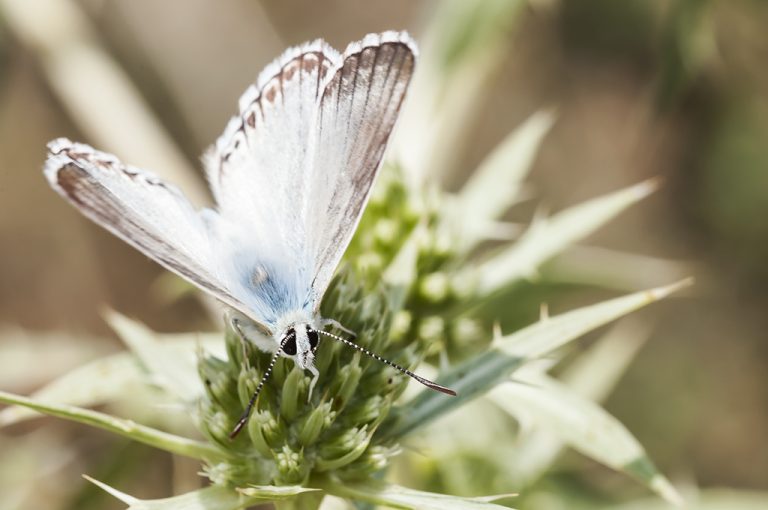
<point>402,307</point>
<point>420,286</point>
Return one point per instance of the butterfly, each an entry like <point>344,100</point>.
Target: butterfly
<point>291,176</point>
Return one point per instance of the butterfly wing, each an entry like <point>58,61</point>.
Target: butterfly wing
<point>257,172</point>
<point>291,175</point>
<point>256,168</point>
<point>357,110</point>
<point>147,213</point>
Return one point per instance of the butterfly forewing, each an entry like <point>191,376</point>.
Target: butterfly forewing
<point>359,105</point>
<point>141,209</point>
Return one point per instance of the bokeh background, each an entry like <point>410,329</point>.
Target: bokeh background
<point>641,88</point>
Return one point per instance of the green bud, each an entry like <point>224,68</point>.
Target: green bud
<point>432,329</point>
<point>464,285</point>
<point>465,329</point>
<point>218,425</point>
<point>273,428</point>
<point>285,439</point>
<point>372,461</point>
<point>219,473</point>
<point>267,432</point>
<point>289,400</point>
<point>401,325</point>
<point>247,380</point>
<point>218,382</point>
<point>343,443</point>
<point>343,449</point>
<point>235,346</point>
<point>386,231</point>
<point>330,417</point>
<point>443,244</point>
<point>315,422</point>
<point>258,439</point>
<point>388,380</point>
<point>372,408</point>
<point>434,287</point>
<point>291,467</point>
<point>370,261</point>
<point>281,369</point>
<point>257,471</point>
<point>346,381</point>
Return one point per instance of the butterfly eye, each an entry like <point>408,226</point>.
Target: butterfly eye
<point>313,338</point>
<point>289,345</point>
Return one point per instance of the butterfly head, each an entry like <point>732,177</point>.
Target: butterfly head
<point>299,342</point>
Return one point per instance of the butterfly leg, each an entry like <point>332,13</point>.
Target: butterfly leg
<point>315,375</point>
<point>337,325</point>
<point>250,333</point>
<point>235,322</point>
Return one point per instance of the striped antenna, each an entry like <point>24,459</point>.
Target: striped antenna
<point>247,414</point>
<point>425,382</point>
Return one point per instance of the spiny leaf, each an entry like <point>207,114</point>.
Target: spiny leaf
<point>548,236</point>
<point>592,375</point>
<point>477,375</point>
<point>584,425</point>
<point>116,376</point>
<point>707,499</point>
<point>172,364</point>
<point>551,333</point>
<point>395,496</point>
<point>127,428</point>
<point>29,359</point>
<point>273,492</point>
<point>495,185</point>
<point>218,497</point>
<point>92,384</point>
<point>455,64</point>
<point>613,269</point>
<point>596,372</point>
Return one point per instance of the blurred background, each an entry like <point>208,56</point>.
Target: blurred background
<point>640,88</point>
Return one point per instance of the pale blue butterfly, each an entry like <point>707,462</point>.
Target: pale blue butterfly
<point>291,176</point>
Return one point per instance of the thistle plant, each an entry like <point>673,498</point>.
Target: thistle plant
<point>416,286</point>
<point>342,440</point>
